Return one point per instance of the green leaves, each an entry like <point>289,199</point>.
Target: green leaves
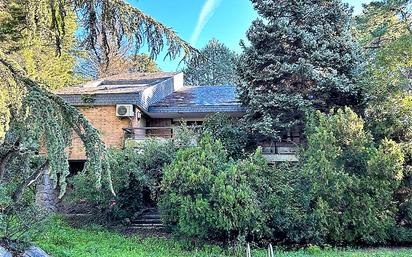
<point>232,134</point>
<point>133,172</point>
<point>208,196</point>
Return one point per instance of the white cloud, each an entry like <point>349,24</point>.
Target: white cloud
<point>206,13</point>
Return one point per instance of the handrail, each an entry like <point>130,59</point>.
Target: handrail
<point>166,127</point>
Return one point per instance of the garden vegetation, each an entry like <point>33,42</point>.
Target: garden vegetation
<point>344,83</point>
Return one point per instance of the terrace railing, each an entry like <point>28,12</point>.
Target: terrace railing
<point>274,151</point>
<point>140,133</point>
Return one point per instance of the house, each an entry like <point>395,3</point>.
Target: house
<point>128,108</point>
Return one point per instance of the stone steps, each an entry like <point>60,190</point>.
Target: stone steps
<point>148,220</point>
<point>146,226</point>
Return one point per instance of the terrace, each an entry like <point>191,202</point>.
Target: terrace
<point>273,150</point>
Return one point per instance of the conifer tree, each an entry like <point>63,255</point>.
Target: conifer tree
<point>216,67</point>
<point>301,57</point>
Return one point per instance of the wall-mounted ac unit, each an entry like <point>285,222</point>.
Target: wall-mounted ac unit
<point>124,110</point>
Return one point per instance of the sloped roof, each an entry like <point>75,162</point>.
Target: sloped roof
<point>118,84</point>
<point>199,99</point>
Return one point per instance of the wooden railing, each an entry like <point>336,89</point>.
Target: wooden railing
<point>144,132</point>
<point>140,133</point>
<point>276,151</point>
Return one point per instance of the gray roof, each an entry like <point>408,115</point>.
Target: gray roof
<point>157,94</point>
<point>118,84</point>
<point>200,99</point>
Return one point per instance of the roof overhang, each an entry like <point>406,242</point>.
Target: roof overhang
<point>198,111</point>
<point>101,99</point>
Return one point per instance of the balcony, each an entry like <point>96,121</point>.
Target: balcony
<point>141,133</point>
<point>136,135</point>
<point>280,151</point>
<point>274,151</point>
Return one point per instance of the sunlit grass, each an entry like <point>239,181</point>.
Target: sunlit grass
<point>61,240</point>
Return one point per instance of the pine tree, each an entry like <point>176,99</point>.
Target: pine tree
<point>301,57</point>
<point>216,67</point>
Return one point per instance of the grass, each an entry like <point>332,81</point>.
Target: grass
<point>61,240</point>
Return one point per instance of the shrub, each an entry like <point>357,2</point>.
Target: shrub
<point>209,196</point>
<point>392,118</point>
<point>231,133</point>
<point>135,172</point>
<point>350,182</point>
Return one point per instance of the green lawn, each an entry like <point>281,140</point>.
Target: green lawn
<point>62,241</point>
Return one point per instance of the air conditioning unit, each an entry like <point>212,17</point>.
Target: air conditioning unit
<point>124,110</point>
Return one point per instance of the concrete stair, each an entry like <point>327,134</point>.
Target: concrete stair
<point>150,219</point>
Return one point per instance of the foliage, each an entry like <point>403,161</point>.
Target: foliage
<point>133,172</point>
<point>392,118</point>
<point>384,29</point>
<point>143,63</point>
<point>33,118</point>
<point>18,222</point>
<point>231,133</point>
<point>217,66</point>
<point>301,57</point>
<point>389,73</point>
<point>50,20</point>
<point>382,22</point>
<point>285,199</point>
<point>207,196</point>
<point>34,53</point>
<point>342,191</point>
<point>185,136</point>
<point>350,183</point>
<point>120,60</point>
<point>112,20</point>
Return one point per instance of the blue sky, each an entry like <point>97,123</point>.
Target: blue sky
<point>198,21</point>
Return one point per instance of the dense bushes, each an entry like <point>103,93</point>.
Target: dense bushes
<point>136,175</point>
<point>208,196</point>
<point>342,191</point>
<point>350,181</point>
<point>232,134</point>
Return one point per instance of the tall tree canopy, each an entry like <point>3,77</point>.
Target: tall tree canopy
<point>121,60</point>
<point>385,31</point>
<point>301,56</point>
<point>383,21</point>
<point>34,53</point>
<point>216,67</point>
<point>32,116</point>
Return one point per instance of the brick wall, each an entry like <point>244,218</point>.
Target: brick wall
<point>111,127</point>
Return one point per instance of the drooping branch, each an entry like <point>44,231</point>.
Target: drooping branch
<point>113,19</point>
<point>55,120</point>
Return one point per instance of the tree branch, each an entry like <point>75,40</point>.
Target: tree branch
<point>3,163</point>
<point>18,193</point>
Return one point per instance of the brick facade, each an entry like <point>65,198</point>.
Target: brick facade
<point>111,127</point>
